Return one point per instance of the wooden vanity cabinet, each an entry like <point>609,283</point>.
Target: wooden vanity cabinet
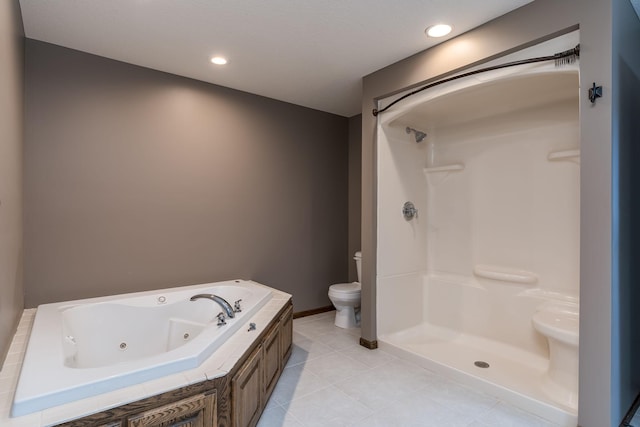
<point>255,380</point>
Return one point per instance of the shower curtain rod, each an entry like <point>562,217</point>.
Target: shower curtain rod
<point>562,58</point>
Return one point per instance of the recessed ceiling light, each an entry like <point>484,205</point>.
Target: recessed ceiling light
<point>218,60</point>
<point>439,30</point>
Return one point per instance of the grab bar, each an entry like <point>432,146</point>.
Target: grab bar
<point>504,274</point>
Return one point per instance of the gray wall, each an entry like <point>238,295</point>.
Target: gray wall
<point>355,193</point>
<point>11,139</point>
<point>626,207</point>
<point>137,179</point>
<point>537,21</point>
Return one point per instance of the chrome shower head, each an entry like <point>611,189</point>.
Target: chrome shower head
<point>419,135</point>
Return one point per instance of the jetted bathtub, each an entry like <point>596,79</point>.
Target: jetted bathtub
<point>87,347</point>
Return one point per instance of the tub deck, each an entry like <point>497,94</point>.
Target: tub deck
<point>219,364</point>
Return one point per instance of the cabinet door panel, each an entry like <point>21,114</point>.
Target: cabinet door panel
<point>194,411</point>
<point>286,334</point>
<point>247,392</point>
<point>272,361</point>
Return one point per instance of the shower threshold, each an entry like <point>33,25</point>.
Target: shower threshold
<point>513,375</point>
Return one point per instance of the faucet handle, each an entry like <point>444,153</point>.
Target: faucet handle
<point>221,319</point>
<point>236,306</point>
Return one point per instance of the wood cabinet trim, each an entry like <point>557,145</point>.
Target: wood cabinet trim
<point>286,334</point>
<point>200,405</point>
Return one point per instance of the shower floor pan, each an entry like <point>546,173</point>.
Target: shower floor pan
<point>513,375</point>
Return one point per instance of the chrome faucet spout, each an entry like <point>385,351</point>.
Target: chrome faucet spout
<point>221,301</point>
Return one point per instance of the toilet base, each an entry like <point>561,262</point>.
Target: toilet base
<point>347,317</point>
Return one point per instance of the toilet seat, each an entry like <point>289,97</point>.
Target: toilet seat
<point>345,289</point>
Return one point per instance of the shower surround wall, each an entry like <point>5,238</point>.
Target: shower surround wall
<point>509,209</point>
<point>494,192</point>
<point>137,179</point>
<point>496,183</point>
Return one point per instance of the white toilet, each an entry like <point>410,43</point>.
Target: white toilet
<point>559,323</point>
<point>345,297</point>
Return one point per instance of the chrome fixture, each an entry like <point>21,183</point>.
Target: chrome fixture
<point>418,134</point>
<point>252,327</point>
<point>236,306</point>
<point>221,301</point>
<point>221,319</point>
<point>409,211</point>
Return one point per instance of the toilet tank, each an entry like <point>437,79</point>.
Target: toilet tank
<point>358,258</point>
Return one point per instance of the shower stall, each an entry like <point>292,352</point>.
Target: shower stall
<point>491,167</point>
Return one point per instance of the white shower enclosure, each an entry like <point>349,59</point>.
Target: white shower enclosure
<point>496,186</point>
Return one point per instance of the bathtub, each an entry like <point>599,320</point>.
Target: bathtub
<point>87,347</point>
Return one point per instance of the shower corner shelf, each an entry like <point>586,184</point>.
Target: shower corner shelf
<point>564,155</point>
<point>505,274</point>
<point>447,168</point>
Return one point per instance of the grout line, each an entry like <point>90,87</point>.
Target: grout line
<point>286,411</point>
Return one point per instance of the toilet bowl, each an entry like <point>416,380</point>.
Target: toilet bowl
<point>345,297</point>
<point>559,323</point>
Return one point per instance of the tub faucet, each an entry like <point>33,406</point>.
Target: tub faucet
<point>223,303</point>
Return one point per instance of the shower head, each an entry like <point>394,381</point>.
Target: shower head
<point>418,134</point>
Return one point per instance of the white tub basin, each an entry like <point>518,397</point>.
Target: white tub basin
<point>86,347</point>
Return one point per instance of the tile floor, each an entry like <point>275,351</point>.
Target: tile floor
<point>330,380</point>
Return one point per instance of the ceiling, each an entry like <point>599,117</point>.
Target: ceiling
<point>312,53</point>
